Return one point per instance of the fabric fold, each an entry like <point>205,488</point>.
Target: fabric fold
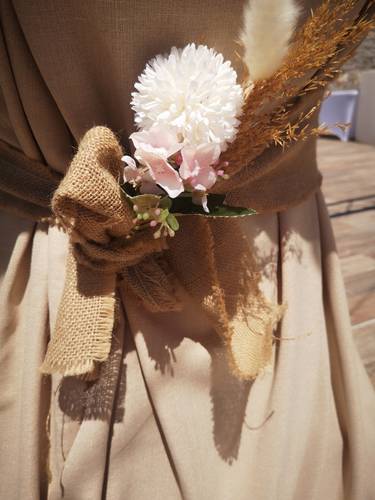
<point>89,205</point>
<point>104,245</point>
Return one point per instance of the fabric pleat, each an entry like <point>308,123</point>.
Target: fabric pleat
<point>167,420</point>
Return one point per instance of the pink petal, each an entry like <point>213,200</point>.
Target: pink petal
<point>129,161</point>
<point>166,139</point>
<point>200,198</point>
<point>164,174</point>
<point>188,167</point>
<point>196,159</point>
<point>148,184</point>
<point>159,140</point>
<point>207,154</point>
<point>131,173</point>
<point>205,179</point>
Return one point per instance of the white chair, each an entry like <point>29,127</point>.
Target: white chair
<point>340,108</point>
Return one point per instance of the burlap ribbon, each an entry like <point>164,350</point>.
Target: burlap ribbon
<point>89,204</point>
<point>218,271</point>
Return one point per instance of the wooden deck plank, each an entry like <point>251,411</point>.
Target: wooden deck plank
<point>349,173</point>
<point>347,169</point>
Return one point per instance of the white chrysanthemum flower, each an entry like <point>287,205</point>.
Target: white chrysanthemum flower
<point>194,92</point>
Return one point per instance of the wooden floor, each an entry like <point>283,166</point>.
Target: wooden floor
<point>349,187</point>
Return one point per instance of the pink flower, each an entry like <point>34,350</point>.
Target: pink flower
<point>163,173</point>
<point>196,167</point>
<point>136,175</point>
<point>131,172</point>
<point>158,140</point>
<point>153,148</point>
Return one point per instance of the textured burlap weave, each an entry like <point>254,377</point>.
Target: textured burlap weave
<point>90,206</point>
<point>218,269</point>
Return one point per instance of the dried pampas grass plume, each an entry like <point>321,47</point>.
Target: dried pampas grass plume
<point>278,109</point>
<point>268,28</point>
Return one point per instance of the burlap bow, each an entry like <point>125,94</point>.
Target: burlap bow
<point>218,271</point>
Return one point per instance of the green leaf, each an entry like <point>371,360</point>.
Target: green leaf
<point>173,222</point>
<point>144,201</point>
<point>165,202</point>
<point>183,205</point>
<point>226,211</point>
<point>164,214</point>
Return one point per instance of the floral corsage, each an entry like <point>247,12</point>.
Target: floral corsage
<point>187,107</point>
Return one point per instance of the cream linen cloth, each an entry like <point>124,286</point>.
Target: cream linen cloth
<point>167,420</point>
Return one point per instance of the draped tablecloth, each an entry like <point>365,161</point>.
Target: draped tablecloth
<point>166,419</point>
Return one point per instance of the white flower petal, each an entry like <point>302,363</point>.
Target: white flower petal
<point>194,92</point>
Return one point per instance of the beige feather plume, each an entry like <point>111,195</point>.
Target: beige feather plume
<point>268,28</point>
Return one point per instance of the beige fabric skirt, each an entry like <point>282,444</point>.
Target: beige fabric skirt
<point>166,420</point>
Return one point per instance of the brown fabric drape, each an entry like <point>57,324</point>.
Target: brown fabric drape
<point>165,419</point>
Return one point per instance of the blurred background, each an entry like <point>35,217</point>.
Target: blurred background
<point>346,156</point>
